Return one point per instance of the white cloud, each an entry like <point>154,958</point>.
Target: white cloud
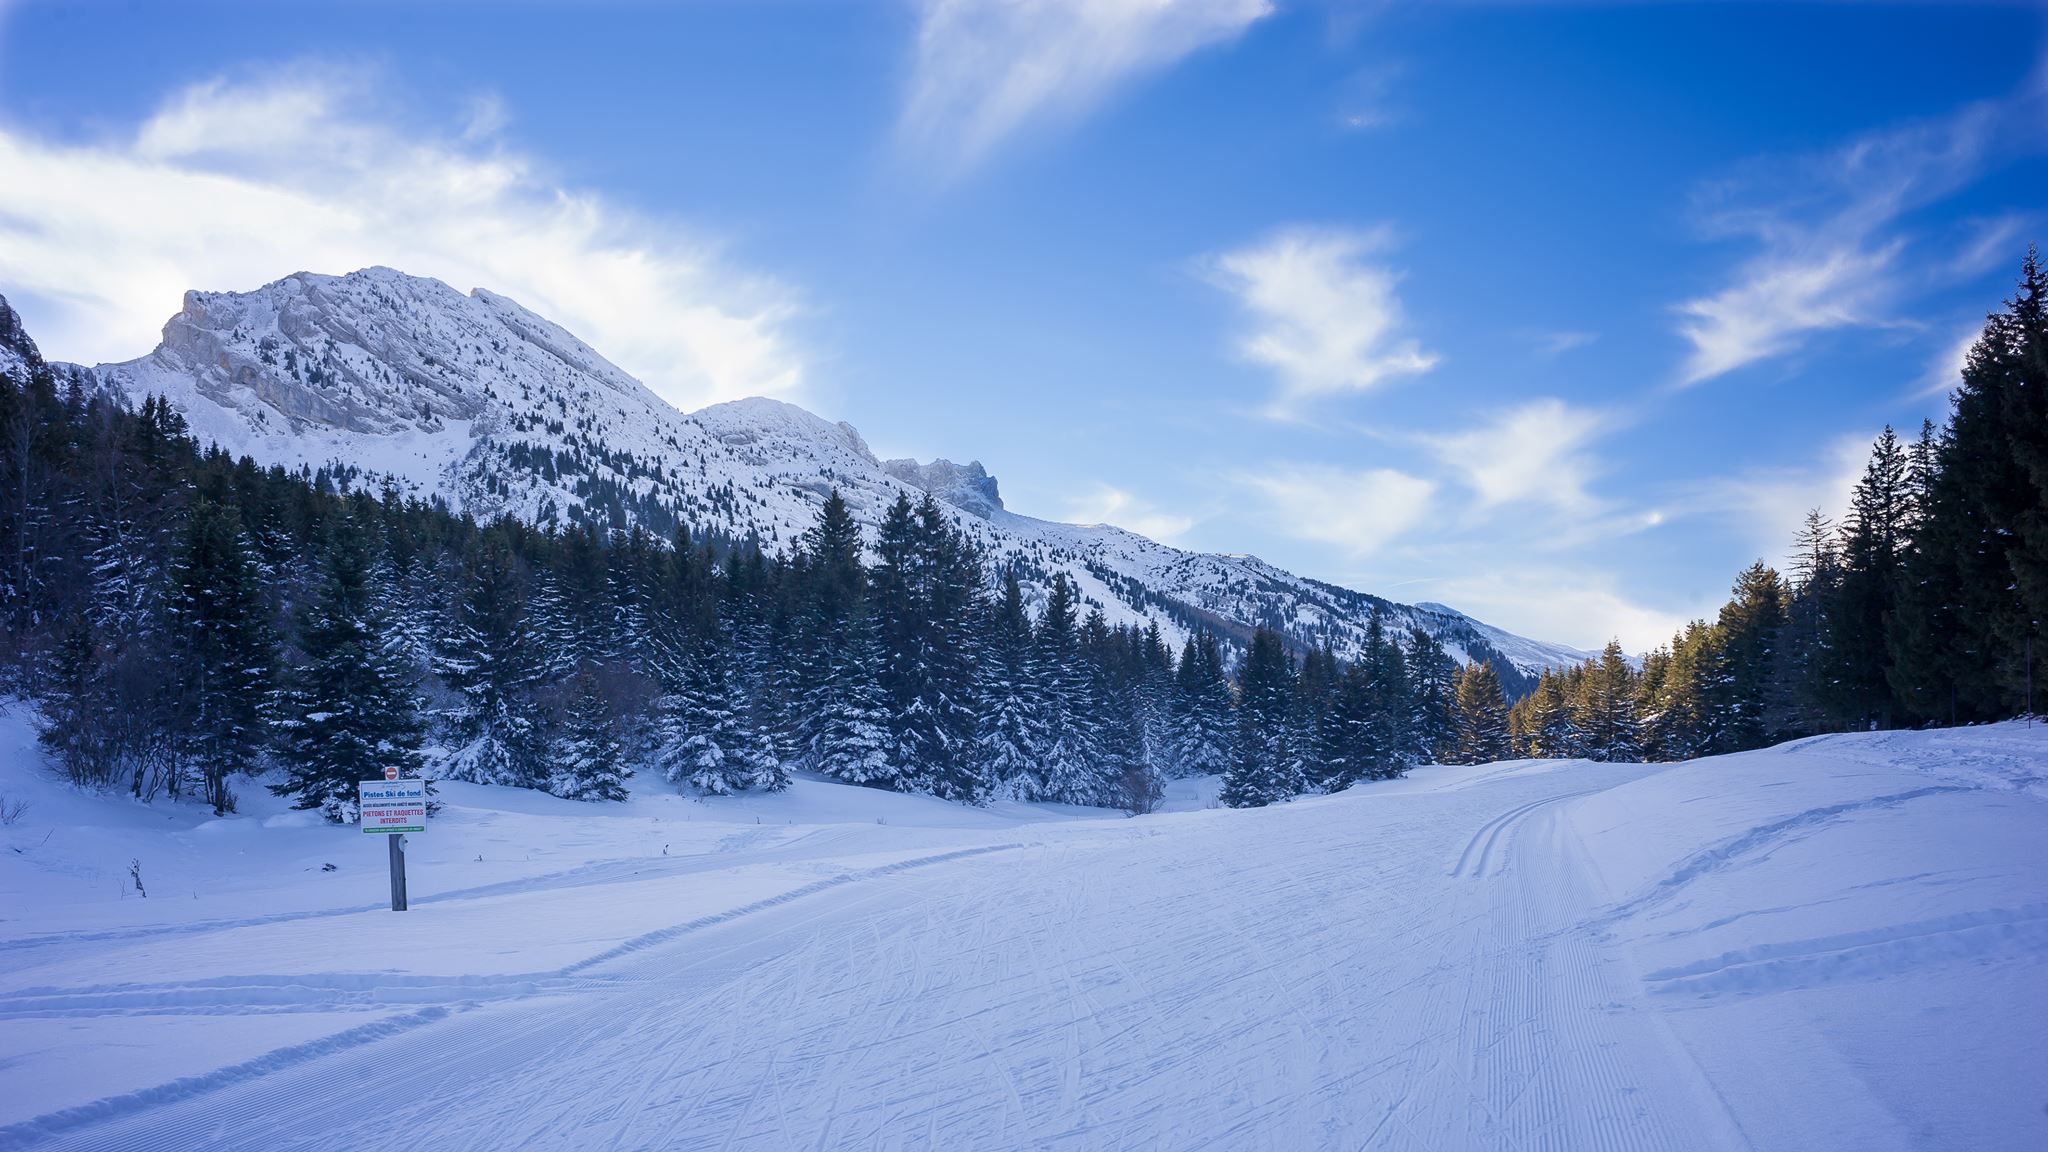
<point>1572,605</point>
<point>1769,505</point>
<point>1778,299</point>
<point>1110,505</point>
<point>1551,345</point>
<point>232,185</point>
<point>1531,454</point>
<point>1323,318</point>
<point>1827,234</point>
<point>1946,371</point>
<point>987,68</point>
<point>1359,510</point>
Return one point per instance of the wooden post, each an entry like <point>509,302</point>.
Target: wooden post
<point>397,844</point>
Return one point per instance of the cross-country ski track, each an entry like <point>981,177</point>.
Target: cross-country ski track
<point>1834,944</point>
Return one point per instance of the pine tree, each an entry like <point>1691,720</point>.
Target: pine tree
<point>1262,770</point>
<point>587,762</point>
<point>1202,730</point>
<point>843,718</point>
<point>490,659</point>
<point>706,741</point>
<point>75,729</point>
<point>1683,694</point>
<point>1072,771</point>
<point>1749,633</point>
<point>761,665</point>
<point>1014,733</point>
<point>2023,413</point>
<point>1551,734</point>
<point>226,649</point>
<point>850,738</point>
<point>927,592</point>
<point>1971,588</point>
<point>1606,708</point>
<point>350,713</point>
<point>1482,716</point>
<point>1320,753</point>
<point>1391,745</point>
<point>1433,676</point>
<point>1857,693</point>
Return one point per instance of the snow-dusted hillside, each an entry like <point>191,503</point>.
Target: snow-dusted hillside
<point>1839,943</point>
<point>392,378</point>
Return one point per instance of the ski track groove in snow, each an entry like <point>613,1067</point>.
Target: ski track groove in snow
<point>1861,955</point>
<point>1479,851</point>
<point>35,1130</point>
<point>1761,840</point>
<point>583,875</point>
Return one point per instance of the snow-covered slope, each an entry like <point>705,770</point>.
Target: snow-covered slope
<point>388,378</point>
<point>1841,943</point>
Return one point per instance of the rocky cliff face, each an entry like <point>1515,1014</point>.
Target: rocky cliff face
<point>18,353</point>
<point>968,487</point>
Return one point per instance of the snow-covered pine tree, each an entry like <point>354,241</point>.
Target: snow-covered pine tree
<point>1356,729</point>
<point>925,594</point>
<point>489,659</point>
<point>127,519</point>
<point>706,742</point>
<point>582,583</point>
<point>848,718</point>
<point>75,723</point>
<point>1433,679</point>
<point>1154,663</point>
<point>1202,729</point>
<point>1322,756</point>
<point>632,578</point>
<point>842,719</point>
<point>225,647</point>
<point>1392,720</point>
<point>548,631</point>
<point>350,712</point>
<point>1116,665</point>
<point>1013,735</point>
<point>408,590</point>
<point>760,663</point>
<point>1072,768</point>
<point>1261,766</point>
<point>587,762</point>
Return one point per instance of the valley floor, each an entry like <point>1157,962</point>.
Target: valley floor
<point>1840,943</point>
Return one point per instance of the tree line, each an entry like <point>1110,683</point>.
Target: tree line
<point>185,619</point>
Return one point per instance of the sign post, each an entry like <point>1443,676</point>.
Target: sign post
<point>391,808</point>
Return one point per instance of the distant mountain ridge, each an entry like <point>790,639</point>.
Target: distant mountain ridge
<point>379,377</point>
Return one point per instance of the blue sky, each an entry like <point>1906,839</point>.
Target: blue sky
<point>1556,313</point>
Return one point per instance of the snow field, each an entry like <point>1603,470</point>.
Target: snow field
<point>1838,943</point>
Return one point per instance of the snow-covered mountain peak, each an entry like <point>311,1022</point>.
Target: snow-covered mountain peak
<point>381,378</point>
<point>762,424</point>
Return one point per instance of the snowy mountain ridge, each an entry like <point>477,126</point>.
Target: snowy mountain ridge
<point>380,378</point>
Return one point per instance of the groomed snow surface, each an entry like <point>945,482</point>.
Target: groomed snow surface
<point>1836,944</point>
